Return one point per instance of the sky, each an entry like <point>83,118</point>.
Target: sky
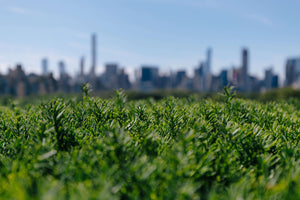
<point>170,34</point>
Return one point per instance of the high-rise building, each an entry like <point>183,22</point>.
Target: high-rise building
<point>149,74</point>
<point>244,68</point>
<point>198,82</point>
<point>111,69</point>
<point>123,80</point>
<point>208,61</point>
<point>207,70</point>
<point>82,66</point>
<point>268,78</point>
<point>148,79</point>
<point>180,76</point>
<point>62,69</point>
<point>44,66</point>
<point>63,82</point>
<point>94,54</point>
<point>275,81</point>
<point>111,76</point>
<point>292,71</point>
<point>223,78</point>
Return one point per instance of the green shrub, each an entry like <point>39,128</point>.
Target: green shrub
<point>171,148</point>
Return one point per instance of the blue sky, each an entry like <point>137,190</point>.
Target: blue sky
<point>171,34</point>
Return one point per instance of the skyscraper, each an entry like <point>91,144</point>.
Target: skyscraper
<point>244,70</point>
<point>292,71</point>
<point>271,80</point>
<point>208,61</point>
<point>207,70</point>
<point>82,66</point>
<point>62,69</point>
<point>94,52</point>
<point>111,69</point>
<point>149,73</point>
<point>223,78</point>
<point>148,79</point>
<point>44,66</point>
<point>111,76</point>
<point>268,78</point>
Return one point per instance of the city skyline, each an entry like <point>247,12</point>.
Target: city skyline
<point>20,84</point>
<point>93,69</point>
<point>81,68</point>
<point>147,78</point>
<point>169,34</point>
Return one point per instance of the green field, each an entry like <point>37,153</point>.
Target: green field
<point>189,148</point>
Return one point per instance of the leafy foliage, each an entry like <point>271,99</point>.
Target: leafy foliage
<point>92,148</point>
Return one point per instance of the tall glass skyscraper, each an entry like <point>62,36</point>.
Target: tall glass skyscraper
<point>245,65</point>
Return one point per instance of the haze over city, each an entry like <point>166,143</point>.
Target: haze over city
<point>169,34</point>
